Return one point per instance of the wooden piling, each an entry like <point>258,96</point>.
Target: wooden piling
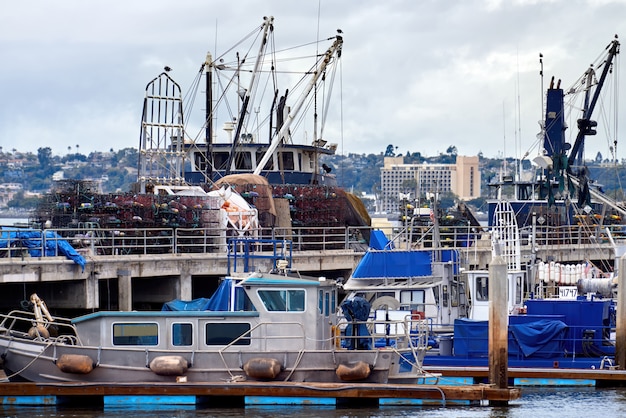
<point>620,322</point>
<point>498,324</point>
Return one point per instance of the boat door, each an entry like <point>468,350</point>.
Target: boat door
<point>478,286</point>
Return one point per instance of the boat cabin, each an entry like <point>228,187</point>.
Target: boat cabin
<point>260,312</point>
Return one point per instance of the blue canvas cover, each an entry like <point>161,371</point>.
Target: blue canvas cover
<point>32,240</point>
<point>379,241</point>
<point>399,263</point>
<point>217,302</point>
<point>537,339</point>
<point>543,338</point>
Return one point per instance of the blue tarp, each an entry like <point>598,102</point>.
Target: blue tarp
<point>379,241</point>
<point>217,302</point>
<point>543,338</point>
<point>357,309</point>
<point>31,239</point>
<point>399,263</point>
<point>538,339</point>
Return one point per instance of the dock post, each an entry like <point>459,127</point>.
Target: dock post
<point>125,290</point>
<point>498,325</point>
<point>620,321</point>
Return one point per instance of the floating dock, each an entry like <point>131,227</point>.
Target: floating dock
<point>526,376</point>
<point>240,394</point>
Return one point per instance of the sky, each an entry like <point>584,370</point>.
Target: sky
<point>421,75</point>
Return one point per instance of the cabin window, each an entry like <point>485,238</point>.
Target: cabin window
<point>182,334</point>
<point>518,290</point>
<point>286,161</point>
<point>482,289</point>
<point>243,161</point>
<point>220,159</point>
<point>136,334</point>
<point>327,304</point>
<point>283,300</point>
<point>454,295</point>
<point>320,301</point>
<point>226,333</point>
<point>412,300</point>
<point>200,161</point>
<point>269,165</point>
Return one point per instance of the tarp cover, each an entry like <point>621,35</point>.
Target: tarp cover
<point>217,302</point>
<point>379,241</point>
<point>399,263</point>
<point>32,240</point>
<point>543,338</point>
<point>539,339</point>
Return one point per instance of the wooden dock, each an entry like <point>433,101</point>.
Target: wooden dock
<point>221,394</point>
<point>526,376</point>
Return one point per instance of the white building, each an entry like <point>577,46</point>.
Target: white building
<point>396,177</point>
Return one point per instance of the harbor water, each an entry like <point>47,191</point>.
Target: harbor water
<point>538,402</point>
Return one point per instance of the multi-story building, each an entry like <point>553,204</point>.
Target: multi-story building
<point>398,180</point>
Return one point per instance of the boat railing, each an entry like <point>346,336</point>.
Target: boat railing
<point>576,341</point>
<point>403,331</point>
<point>24,324</point>
<point>266,336</point>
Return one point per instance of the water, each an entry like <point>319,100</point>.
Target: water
<point>537,402</point>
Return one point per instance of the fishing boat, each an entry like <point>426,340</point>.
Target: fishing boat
<point>258,326</point>
<point>559,197</point>
<point>269,150</point>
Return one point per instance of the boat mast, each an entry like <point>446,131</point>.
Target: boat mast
<point>267,27</point>
<point>585,124</point>
<point>335,48</point>
<point>208,65</point>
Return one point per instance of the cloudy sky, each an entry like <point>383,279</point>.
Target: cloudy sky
<point>418,74</point>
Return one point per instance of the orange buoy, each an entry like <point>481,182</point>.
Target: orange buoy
<point>355,371</point>
<point>262,368</point>
<point>75,363</point>
<point>169,365</point>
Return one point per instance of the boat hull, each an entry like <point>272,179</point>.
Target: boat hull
<point>39,362</point>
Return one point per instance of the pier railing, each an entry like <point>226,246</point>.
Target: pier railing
<point>102,241</point>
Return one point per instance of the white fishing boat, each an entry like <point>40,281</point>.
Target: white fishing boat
<point>259,326</point>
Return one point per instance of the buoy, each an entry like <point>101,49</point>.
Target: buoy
<point>355,371</point>
<point>169,365</point>
<point>75,363</point>
<point>262,368</point>
<point>38,331</point>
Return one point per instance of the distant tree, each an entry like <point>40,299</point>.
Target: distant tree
<point>390,151</point>
<point>44,155</point>
<point>452,150</point>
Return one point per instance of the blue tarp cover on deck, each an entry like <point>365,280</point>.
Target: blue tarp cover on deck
<point>539,339</point>
<point>217,302</point>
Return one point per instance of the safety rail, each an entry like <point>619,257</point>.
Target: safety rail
<point>406,332</point>
<point>102,241</point>
<point>25,324</point>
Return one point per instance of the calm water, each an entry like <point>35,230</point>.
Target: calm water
<point>536,403</point>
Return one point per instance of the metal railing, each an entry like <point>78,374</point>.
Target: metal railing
<point>101,241</point>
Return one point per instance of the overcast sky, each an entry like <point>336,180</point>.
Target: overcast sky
<point>420,75</point>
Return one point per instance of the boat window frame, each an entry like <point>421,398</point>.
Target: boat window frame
<point>137,342</point>
<point>190,334</point>
<point>272,304</point>
<point>210,340</point>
